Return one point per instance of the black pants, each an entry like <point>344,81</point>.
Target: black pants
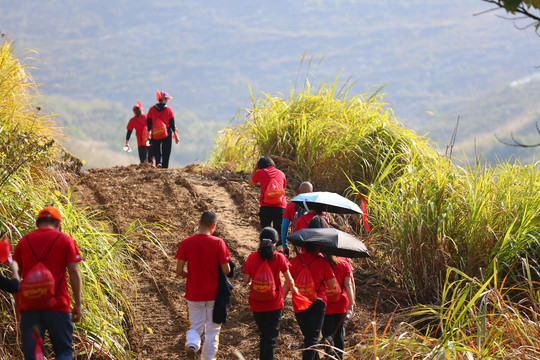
<point>310,321</point>
<point>161,151</point>
<point>143,153</point>
<point>272,216</point>
<point>330,326</point>
<point>268,324</point>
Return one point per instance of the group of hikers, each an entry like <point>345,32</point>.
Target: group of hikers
<point>154,131</point>
<point>322,286</point>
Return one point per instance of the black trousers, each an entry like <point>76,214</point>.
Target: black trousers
<point>310,321</point>
<point>272,216</point>
<point>143,153</point>
<point>161,151</point>
<point>330,326</point>
<point>268,324</point>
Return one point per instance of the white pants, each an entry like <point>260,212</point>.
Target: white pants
<point>200,321</point>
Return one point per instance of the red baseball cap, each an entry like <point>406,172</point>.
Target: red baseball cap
<point>50,212</point>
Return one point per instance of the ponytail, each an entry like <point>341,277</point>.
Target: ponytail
<point>268,237</point>
<point>266,249</point>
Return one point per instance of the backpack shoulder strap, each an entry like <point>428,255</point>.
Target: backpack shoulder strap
<point>48,250</point>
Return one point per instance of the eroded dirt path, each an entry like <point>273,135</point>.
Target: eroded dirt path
<point>175,198</point>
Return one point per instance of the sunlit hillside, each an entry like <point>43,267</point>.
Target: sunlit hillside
<point>434,56</point>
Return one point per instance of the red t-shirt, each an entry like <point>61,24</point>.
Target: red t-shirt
<point>264,176</point>
<point>289,213</point>
<point>164,115</point>
<point>303,221</point>
<point>204,254</point>
<point>278,264</point>
<point>141,129</point>
<point>63,252</point>
<point>343,269</point>
<point>319,268</point>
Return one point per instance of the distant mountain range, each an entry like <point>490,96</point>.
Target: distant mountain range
<point>437,60</point>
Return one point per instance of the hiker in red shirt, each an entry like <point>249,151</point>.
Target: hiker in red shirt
<point>322,276</point>
<point>204,255</point>
<point>272,199</point>
<point>139,123</point>
<point>291,214</point>
<point>303,221</point>
<point>55,252</point>
<point>267,310</point>
<point>160,122</point>
<point>340,304</point>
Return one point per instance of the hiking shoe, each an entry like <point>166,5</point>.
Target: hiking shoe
<point>158,165</point>
<point>191,353</point>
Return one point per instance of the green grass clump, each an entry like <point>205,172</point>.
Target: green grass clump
<point>475,319</point>
<point>322,135</point>
<point>30,158</point>
<point>444,216</point>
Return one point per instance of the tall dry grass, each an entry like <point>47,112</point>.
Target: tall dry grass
<point>322,135</point>
<point>29,179</point>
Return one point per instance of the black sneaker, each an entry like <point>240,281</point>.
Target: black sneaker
<point>191,353</point>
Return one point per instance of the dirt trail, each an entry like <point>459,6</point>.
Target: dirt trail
<point>177,197</point>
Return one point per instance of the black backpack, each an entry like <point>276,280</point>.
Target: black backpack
<point>299,211</point>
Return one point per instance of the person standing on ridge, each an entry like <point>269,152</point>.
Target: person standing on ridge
<point>44,255</point>
<point>160,122</point>
<point>204,255</point>
<point>272,199</point>
<point>139,123</point>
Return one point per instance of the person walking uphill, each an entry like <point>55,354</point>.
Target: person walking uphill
<point>204,255</point>
<point>261,271</point>
<point>46,253</point>
<point>272,199</point>
<point>139,123</point>
<point>160,122</point>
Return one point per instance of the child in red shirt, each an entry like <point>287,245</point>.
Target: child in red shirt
<point>204,254</point>
<point>268,313</point>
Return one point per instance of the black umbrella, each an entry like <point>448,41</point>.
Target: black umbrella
<point>333,242</point>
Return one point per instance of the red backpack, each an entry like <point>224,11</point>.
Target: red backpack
<point>304,282</point>
<point>263,285</point>
<point>38,288</point>
<point>159,126</point>
<point>274,192</point>
<point>334,295</point>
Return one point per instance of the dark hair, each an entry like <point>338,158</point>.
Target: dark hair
<point>264,162</point>
<point>318,222</point>
<point>268,237</point>
<point>208,218</point>
<point>46,221</point>
<point>137,111</point>
<point>331,259</point>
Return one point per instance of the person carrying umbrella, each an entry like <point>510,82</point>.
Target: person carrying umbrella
<point>272,199</point>
<point>320,276</point>
<point>290,216</point>
<point>267,311</point>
